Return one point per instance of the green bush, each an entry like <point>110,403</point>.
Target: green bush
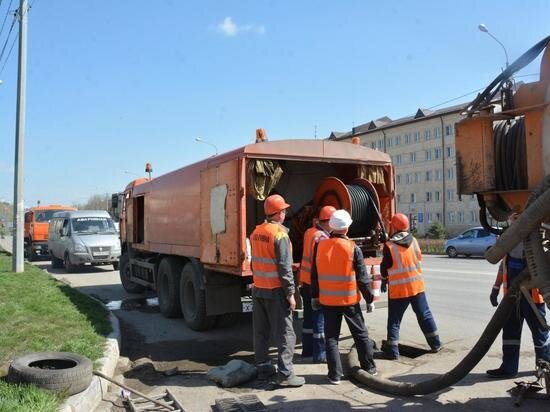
<point>436,231</point>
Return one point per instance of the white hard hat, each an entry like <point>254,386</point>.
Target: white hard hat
<point>340,220</point>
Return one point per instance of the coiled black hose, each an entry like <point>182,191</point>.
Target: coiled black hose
<point>363,211</point>
<point>510,154</point>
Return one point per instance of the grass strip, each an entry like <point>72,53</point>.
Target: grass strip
<point>39,313</point>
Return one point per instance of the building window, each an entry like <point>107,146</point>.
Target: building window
<point>408,178</point>
<point>379,145</point>
<point>460,217</point>
<point>448,130</point>
<point>438,217</point>
<point>413,157</point>
<point>428,155</point>
<point>450,173</point>
<point>438,174</point>
<point>417,177</point>
<point>449,151</point>
<point>472,216</point>
<point>390,142</point>
<point>428,196</point>
<point>437,152</point>
<point>428,176</point>
<point>398,179</point>
<point>397,159</point>
<point>437,132</point>
<point>429,217</point>
<point>472,197</point>
<point>416,136</point>
<point>450,195</point>
<point>413,198</point>
<point>397,140</point>
<point>407,138</point>
<point>427,134</point>
<point>451,216</point>
<point>437,196</point>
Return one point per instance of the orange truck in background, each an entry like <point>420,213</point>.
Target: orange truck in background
<point>36,229</point>
<point>185,234</point>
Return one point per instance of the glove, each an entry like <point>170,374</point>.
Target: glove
<point>370,307</point>
<point>384,287</point>
<point>494,296</point>
<point>315,305</point>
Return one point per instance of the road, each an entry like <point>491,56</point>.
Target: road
<point>458,292</point>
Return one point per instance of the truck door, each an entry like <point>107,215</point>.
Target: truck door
<point>220,214</point>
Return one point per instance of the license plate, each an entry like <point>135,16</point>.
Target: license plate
<point>100,254</point>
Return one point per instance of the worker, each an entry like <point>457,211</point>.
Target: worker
<point>338,279</point>
<point>273,294</point>
<point>313,329</point>
<point>400,269</point>
<point>510,267</point>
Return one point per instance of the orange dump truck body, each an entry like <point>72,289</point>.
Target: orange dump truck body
<point>37,226</point>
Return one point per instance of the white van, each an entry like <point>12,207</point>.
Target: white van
<point>84,236</point>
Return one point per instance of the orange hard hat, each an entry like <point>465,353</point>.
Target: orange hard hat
<point>326,212</point>
<point>274,204</point>
<point>400,222</point>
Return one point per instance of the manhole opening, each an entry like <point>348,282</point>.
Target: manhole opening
<point>53,364</point>
<point>409,351</point>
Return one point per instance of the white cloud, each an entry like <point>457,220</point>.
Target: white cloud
<point>229,28</point>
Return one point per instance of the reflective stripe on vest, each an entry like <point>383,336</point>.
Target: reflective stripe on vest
<point>312,235</point>
<point>264,262</point>
<point>535,294</point>
<point>337,283</point>
<point>405,274</point>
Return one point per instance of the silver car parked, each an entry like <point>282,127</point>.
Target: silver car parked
<point>83,236</point>
<point>472,242</point>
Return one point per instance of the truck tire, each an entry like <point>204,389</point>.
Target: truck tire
<point>127,284</point>
<point>56,262</point>
<point>193,300</point>
<point>65,372</point>
<point>168,287</point>
<point>69,267</point>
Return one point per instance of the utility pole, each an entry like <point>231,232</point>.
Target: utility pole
<point>18,203</point>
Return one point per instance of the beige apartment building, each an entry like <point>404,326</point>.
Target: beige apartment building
<point>422,148</point>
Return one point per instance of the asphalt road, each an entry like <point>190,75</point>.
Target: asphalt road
<point>458,292</point>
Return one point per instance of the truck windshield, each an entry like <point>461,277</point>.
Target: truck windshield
<point>44,215</point>
<point>93,225</point>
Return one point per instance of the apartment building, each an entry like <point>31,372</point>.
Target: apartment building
<point>422,147</point>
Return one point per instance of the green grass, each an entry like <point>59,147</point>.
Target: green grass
<point>24,398</point>
<point>432,246</point>
<point>38,313</point>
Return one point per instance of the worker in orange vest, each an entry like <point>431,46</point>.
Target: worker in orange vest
<point>338,279</point>
<point>273,294</point>
<point>313,326</point>
<point>400,269</point>
<point>510,267</point>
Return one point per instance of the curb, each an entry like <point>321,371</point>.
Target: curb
<point>90,398</point>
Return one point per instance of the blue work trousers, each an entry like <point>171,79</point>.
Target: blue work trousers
<point>313,329</point>
<point>396,310</point>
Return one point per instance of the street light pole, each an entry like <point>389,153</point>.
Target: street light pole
<point>482,27</point>
<point>18,203</point>
<point>199,139</point>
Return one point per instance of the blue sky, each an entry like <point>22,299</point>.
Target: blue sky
<point>115,84</point>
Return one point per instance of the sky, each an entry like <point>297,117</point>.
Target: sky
<point>112,85</point>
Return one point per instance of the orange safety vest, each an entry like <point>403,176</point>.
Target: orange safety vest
<point>405,274</point>
<point>337,283</point>
<point>311,237</point>
<point>264,262</point>
<point>535,294</point>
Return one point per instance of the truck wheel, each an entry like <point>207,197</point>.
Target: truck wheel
<point>29,252</point>
<point>56,262</point>
<point>69,267</point>
<point>127,284</point>
<point>193,300</point>
<point>168,287</point>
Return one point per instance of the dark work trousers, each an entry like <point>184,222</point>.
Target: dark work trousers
<point>511,332</point>
<point>313,329</point>
<point>396,310</point>
<point>359,332</point>
<point>273,318</point>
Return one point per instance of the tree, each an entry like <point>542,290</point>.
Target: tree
<point>436,231</point>
<point>96,202</point>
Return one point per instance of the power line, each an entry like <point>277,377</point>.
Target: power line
<point>7,38</point>
<point>5,17</point>
<point>9,54</point>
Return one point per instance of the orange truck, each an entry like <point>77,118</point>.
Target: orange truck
<point>36,229</point>
<point>185,234</point>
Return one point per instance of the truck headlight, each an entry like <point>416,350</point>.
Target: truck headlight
<point>79,247</point>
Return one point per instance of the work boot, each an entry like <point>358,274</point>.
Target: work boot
<point>372,371</point>
<point>436,349</point>
<point>291,381</point>
<point>500,373</point>
<point>265,371</point>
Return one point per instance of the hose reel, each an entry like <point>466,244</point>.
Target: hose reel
<point>359,198</point>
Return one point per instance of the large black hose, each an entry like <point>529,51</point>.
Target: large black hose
<point>440,382</point>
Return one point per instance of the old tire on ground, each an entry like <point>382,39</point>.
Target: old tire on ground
<point>168,287</point>
<point>451,252</point>
<point>124,270</point>
<point>69,267</point>
<point>193,300</point>
<point>56,262</point>
<point>56,371</point>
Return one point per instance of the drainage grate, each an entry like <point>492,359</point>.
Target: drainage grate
<point>245,403</point>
